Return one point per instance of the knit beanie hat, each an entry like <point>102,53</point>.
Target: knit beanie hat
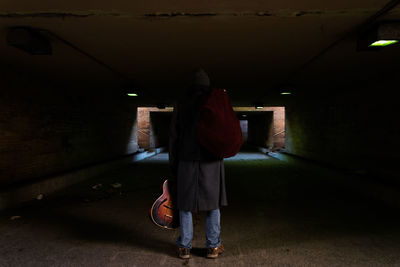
<point>201,78</point>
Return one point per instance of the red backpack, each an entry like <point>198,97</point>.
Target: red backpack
<point>219,128</point>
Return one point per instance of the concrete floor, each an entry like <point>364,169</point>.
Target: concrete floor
<point>279,215</point>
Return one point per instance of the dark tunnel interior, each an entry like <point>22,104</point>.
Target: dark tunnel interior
<point>86,99</point>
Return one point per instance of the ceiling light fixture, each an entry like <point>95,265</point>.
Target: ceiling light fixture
<point>259,106</point>
<point>132,94</point>
<point>379,36</point>
<point>383,43</point>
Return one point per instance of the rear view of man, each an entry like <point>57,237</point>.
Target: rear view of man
<point>200,176</point>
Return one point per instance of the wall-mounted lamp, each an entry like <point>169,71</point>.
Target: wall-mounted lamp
<point>379,36</point>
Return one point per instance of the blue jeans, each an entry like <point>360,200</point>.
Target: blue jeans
<point>213,229</point>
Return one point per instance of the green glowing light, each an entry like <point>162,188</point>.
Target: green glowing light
<point>259,107</point>
<point>286,93</point>
<point>132,94</point>
<point>383,43</point>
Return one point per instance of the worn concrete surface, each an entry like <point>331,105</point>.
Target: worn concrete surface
<point>279,215</point>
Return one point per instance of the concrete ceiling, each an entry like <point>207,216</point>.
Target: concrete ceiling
<point>252,48</point>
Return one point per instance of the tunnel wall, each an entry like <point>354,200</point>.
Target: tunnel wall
<point>47,129</point>
<point>356,131</point>
<point>151,128</point>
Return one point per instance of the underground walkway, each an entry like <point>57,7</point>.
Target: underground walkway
<point>278,215</point>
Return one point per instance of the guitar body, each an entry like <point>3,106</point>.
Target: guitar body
<point>163,212</point>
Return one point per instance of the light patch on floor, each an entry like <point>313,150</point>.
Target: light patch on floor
<point>163,157</point>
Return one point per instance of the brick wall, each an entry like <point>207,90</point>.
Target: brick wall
<point>147,130</point>
<point>48,129</point>
<point>357,130</point>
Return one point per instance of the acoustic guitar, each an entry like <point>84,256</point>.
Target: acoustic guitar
<point>163,212</point>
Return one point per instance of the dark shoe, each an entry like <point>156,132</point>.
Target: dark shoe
<point>184,253</point>
<point>213,253</point>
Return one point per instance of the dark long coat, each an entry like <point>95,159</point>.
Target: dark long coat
<point>200,176</point>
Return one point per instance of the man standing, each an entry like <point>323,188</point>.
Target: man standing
<point>200,176</point>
